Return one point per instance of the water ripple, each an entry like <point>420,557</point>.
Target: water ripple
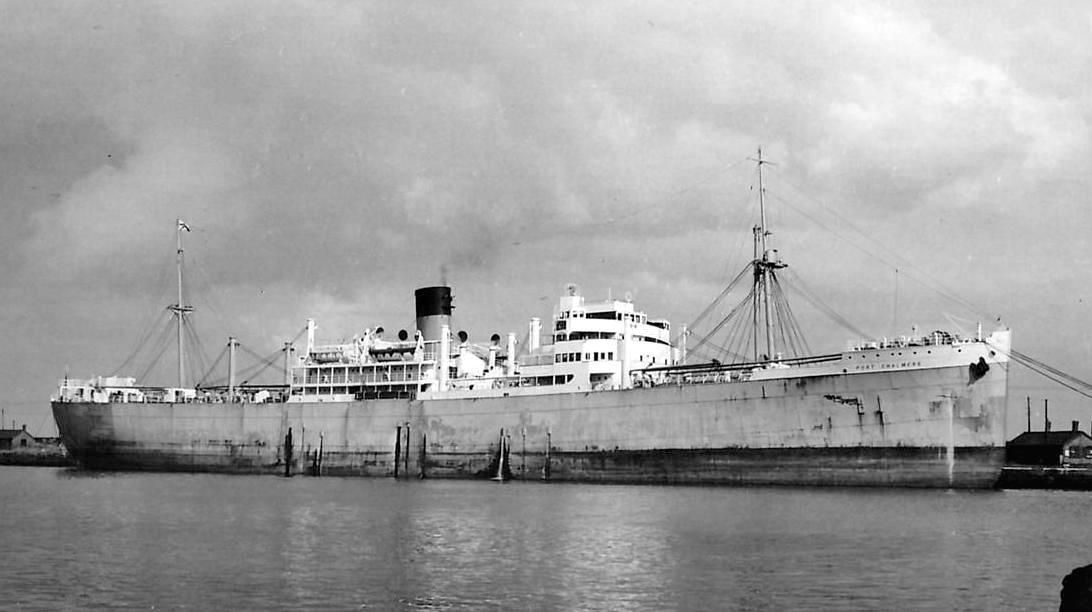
<point>77,540</point>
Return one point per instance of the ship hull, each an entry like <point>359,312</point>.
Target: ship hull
<point>933,427</point>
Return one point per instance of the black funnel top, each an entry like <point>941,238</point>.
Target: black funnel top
<point>433,301</point>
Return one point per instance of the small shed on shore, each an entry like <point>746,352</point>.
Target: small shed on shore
<point>15,439</point>
<point>1064,448</point>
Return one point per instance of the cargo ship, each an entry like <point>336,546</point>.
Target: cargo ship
<point>604,394</point>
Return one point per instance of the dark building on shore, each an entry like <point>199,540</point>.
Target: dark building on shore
<point>1051,448</point>
<point>15,439</point>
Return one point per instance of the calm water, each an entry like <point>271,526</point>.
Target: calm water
<point>76,540</point>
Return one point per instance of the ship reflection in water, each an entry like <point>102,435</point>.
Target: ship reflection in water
<point>90,540</point>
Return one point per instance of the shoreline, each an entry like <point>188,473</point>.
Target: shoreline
<point>49,458</point>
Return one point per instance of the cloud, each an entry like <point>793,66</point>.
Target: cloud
<point>910,111</point>
<point>117,212</point>
<point>332,156</point>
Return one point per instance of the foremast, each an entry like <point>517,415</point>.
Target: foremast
<point>766,262</point>
<point>180,309</point>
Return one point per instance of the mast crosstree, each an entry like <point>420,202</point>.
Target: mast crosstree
<point>766,261</point>
<point>771,328</point>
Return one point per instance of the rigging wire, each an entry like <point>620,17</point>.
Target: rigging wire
<point>268,362</point>
<point>727,289</point>
<point>779,321</point>
<point>243,375</point>
<point>162,342</point>
<point>267,359</point>
<point>164,320</point>
<point>165,323</point>
<point>195,359</point>
<point>154,317</point>
<point>212,368</point>
<point>210,299</point>
<point>743,333</point>
<point>886,256</point>
<point>792,334</point>
<point>747,334</point>
<point>724,352</point>
<point>801,288</point>
<point>732,313</point>
<point>252,370</point>
<point>1062,378</point>
<point>303,330</point>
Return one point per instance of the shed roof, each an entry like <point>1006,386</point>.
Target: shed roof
<point>9,434</point>
<point>1048,438</point>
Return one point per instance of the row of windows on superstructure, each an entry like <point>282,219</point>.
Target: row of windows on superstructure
<point>542,381</point>
<point>378,373</point>
<point>359,392</point>
<point>636,317</point>
<point>562,337</point>
<point>616,316</point>
<point>594,356</point>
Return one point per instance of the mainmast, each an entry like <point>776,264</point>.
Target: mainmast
<point>764,268</point>
<point>180,310</point>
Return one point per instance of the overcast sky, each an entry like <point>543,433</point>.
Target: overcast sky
<point>331,157</point>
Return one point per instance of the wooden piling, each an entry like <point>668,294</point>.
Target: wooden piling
<point>288,453</point>
<point>546,465</point>
<point>397,449</point>
<point>316,459</point>
<point>421,458</point>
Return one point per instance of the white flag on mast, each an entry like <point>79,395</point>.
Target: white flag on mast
<point>182,226</point>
